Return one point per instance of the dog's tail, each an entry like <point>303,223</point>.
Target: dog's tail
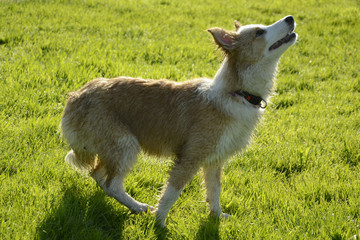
<point>83,161</point>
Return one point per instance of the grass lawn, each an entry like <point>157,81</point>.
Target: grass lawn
<point>299,179</point>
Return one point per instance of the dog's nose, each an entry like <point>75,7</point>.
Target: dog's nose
<point>289,20</point>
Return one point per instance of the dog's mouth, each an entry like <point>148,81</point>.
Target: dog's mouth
<point>290,36</point>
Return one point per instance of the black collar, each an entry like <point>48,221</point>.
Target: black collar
<point>255,100</point>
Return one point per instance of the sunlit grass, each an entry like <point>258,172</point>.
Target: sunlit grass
<point>298,180</point>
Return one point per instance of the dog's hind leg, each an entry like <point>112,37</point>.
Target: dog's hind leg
<point>116,189</point>
<point>212,175</point>
<point>113,168</point>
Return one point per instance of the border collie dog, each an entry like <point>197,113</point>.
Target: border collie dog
<point>200,122</point>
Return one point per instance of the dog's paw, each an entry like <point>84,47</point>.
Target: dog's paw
<point>225,216</point>
<point>143,208</point>
<point>160,219</point>
<point>220,215</point>
<point>147,208</point>
<point>161,224</point>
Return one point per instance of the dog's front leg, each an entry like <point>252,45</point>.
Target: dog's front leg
<point>212,175</point>
<point>180,175</point>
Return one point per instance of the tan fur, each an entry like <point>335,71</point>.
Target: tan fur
<point>167,117</point>
<point>199,122</point>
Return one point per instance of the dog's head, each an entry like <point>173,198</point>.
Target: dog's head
<point>249,44</point>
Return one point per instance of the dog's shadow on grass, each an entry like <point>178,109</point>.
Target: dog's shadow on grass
<point>77,216</point>
<point>81,217</point>
<point>209,229</point>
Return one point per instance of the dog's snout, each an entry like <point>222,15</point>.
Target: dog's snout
<point>289,20</point>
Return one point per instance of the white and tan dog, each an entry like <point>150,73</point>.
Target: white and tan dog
<point>200,122</point>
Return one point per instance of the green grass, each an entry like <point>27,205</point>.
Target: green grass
<point>300,178</point>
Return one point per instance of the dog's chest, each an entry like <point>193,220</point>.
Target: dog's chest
<point>235,136</point>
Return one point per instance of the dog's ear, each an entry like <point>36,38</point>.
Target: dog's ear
<point>224,39</point>
<point>237,25</point>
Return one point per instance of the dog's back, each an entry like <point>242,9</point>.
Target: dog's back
<point>162,115</point>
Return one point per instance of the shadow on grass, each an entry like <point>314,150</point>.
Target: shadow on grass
<point>209,229</point>
<point>81,217</point>
<point>161,233</point>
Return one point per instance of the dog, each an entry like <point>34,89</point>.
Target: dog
<point>200,122</point>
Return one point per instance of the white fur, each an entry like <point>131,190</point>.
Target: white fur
<point>167,200</point>
<point>238,133</point>
<point>274,33</point>
<point>213,188</point>
<point>129,157</point>
<point>70,158</point>
<point>257,79</point>
<point>117,191</point>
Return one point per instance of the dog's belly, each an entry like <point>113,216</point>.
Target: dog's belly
<point>160,145</point>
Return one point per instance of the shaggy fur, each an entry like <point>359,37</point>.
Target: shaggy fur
<point>200,122</point>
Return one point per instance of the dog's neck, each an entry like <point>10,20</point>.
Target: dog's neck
<point>256,78</point>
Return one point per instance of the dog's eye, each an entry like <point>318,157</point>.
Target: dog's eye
<point>260,32</point>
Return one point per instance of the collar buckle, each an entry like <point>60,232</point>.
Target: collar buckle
<point>253,99</point>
